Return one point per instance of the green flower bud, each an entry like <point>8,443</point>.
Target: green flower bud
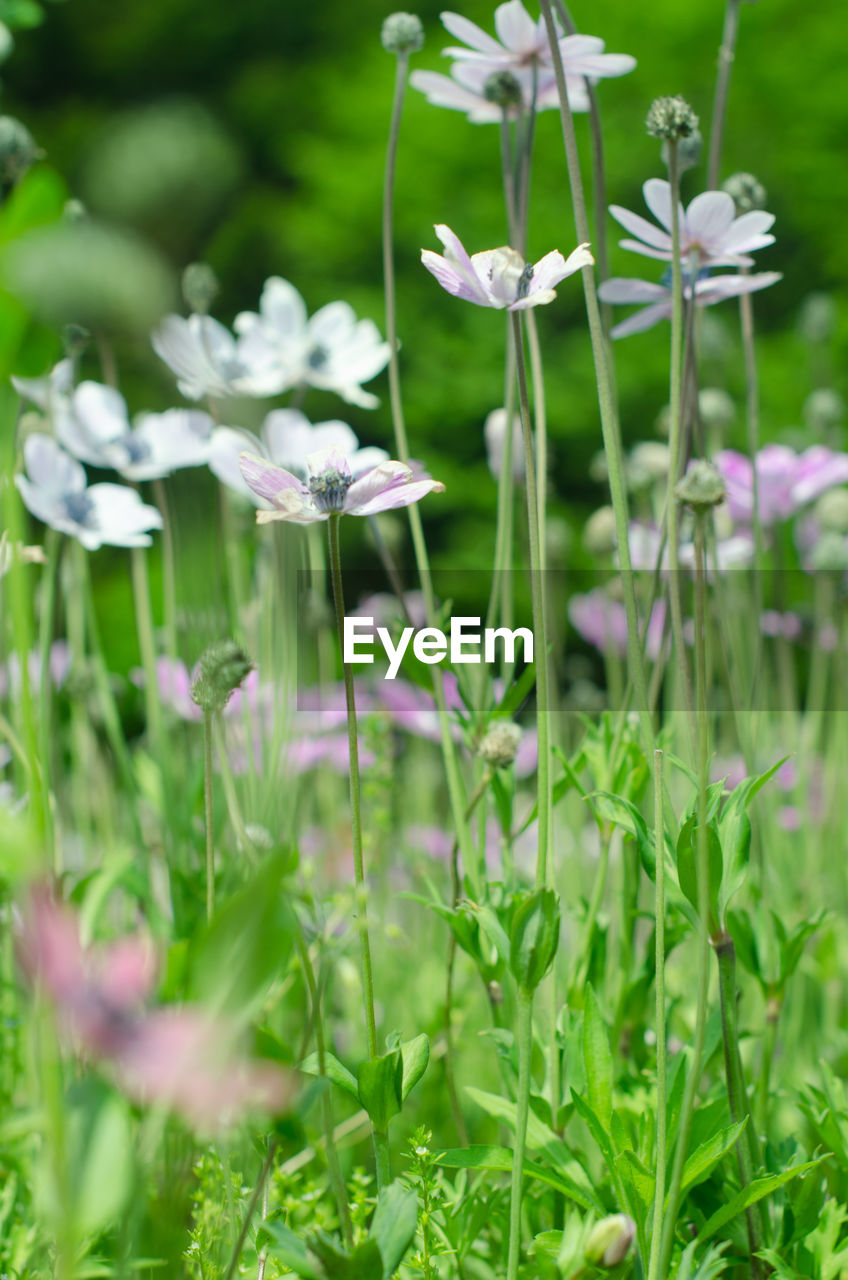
<point>831,511</point>
<point>402,33</point>
<point>534,938</point>
<point>647,463</point>
<point>599,532</point>
<point>503,89</point>
<point>18,150</point>
<point>223,667</point>
<point>747,191</point>
<point>716,407</point>
<point>702,486</point>
<point>75,339</point>
<point>74,211</point>
<point>499,744</point>
<point>200,287</point>
<point>817,320</point>
<point>609,1240</point>
<point>823,409</point>
<point>671,119</point>
<point>688,152</point>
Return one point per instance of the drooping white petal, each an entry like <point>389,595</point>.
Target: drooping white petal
<point>641,227</point>
<point>374,483</point>
<point>467,31</point>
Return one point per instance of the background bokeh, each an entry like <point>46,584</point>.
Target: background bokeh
<point>263,154</point>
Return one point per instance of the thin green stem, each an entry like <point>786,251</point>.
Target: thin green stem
<point>525,1050</point>
<point>361,909</point>
<point>208,814</point>
<point>763,1094</point>
<point>659,927</point>
<point>169,576</point>
<point>47,616</point>
<point>606,392</point>
<point>726,55</point>
<point>540,630</point>
<point>451,762</point>
<point>257,1192</point>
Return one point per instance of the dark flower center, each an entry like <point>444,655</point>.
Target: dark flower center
<point>524,282</point>
<point>317,357</point>
<point>329,490</point>
<point>79,507</point>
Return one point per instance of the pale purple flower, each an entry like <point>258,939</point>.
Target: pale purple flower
<point>773,623</point>
<point>708,291</point>
<point>521,49</point>
<point>732,552</point>
<point>786,480</point>
<point>287,438</point>
<point>55,490</point>
<point>331,351</point>
<point>602,622</point>
<point>500,278</point>
<point>333,750</point>
<point>708,227</point>
<point>414,710</point>
<point>331,488</point>
<point>494,434</point>
<point>49,391</point>
<point>58,666</point>
<point>209,361</point>
<point>174,681</point>
<point>177,1057</point>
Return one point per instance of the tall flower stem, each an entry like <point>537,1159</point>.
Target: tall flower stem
<point>361,904</point>
<point>208,812</point>
<point>147,649</point>
<point>606,394</point>
<point>452,770</point>
<point>693,1078</point>
<point>169,577</point>
<point>45,639</point>
<point>659,928</point>
<point>726,54</point>
<point>675,432</point>
<point>525,1049</point>
<point>540,631</point>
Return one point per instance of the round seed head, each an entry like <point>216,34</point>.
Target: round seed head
<point>402,33</point>
<point>671,119</point>
<point>223,667</point>
<point>499,744</point>
<point>747,191</point>
<point>503,89</point>
<point>200,287</point>
<point>702,486</point>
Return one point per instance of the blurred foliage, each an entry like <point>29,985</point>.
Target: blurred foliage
<point>252,136</point>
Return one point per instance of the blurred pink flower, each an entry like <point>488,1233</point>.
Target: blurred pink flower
<point>58,666</point>
<point>709,227</point>
<point>786,480</point>
<point>178,1057</point>
<point>331,488</point>
<point>500,278</point>
<point>602,622</point>
<point>708,291</point>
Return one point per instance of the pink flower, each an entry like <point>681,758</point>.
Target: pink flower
<point>500,278</point>
<point>709,226</point>
<point>786,480</point>
<point>178,1057</point>
<point>708,291</point>
<point>602,622</point>
<point>331,489</point>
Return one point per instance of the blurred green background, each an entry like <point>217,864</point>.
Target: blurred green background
<point>278,170</point>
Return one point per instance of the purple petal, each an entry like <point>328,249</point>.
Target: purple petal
<point>268,481</point>
<point>641,227</point>
<point>644,319</point>
<point>749,232</point>
<point>624,290</point>
<point>386,475</point>
<point>467,31</point>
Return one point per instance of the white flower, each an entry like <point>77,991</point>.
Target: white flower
<point>50,390</point>
<point>55,491</point>
<point>287,439</point>
<point>500,278</point>
<point>332,351</point>
<point>209,361</point>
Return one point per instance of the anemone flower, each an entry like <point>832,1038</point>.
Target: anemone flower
<point>602,623</point>
<point>331,489</point>
<point>55,490</point>
<point>332,350</point>
<point>708,226</point>
<point>500,278</point>
<point>464,90</point>
<point>209,361</point>
<point>287,438</point>
<point>708,291</point>
<point>786,480</point>
<point>51,389</point>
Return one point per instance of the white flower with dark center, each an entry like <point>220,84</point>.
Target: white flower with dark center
<point>49,391</point>
<point>55,490</point>
<point>331,351</point>
<point>708,227</point>
<point>500,278</point>
<point>287,438</point>
<point>209,361</point>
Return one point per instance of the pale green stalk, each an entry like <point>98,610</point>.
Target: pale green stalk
<point>381,1142</point>
<point>47,611</point>
<point>452,769</point>
<point>169,577</point>
<point>726,54</point>
<point>208,811</point>
<point>659,927</point>
<point>525,1049</point>
<point>606,396</point>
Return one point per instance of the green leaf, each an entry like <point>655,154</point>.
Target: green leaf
<point>500,1159</point>
<point>638,1181</point>
<point>379,1085</point>
<point>687,861</point>
<point>534,938</point>
<point>103,1177</point>
<point>755,1191</point>
<point>335,1071</point>
<point>597,1058</point>
<point>415,1054</point>
<point>701,1163</point>
<point>363,1263</point>
<point>287,1248</point>
<point>393,1226</point>
<point>622,813</point>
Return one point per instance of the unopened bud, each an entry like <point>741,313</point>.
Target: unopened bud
<point>817,320</point>
<point>223,666</point>
<point>671,119</point>
<point>75,339</point>
<point>402,33</point>
<point>831,511</point>
<point>716,407</point>
<point>747,191</point>
<point>200,287</point>
<point>701,487</point>
<point>18,149</point>
<point>599,532</point>
<point>648,462</point>
<point>823,408</point>
<point>830,554</point>
<point>609,1240</point>
<point>74,211</point>
<point>499,744</point>
<point>688,152</point>
<point>503,89</point>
